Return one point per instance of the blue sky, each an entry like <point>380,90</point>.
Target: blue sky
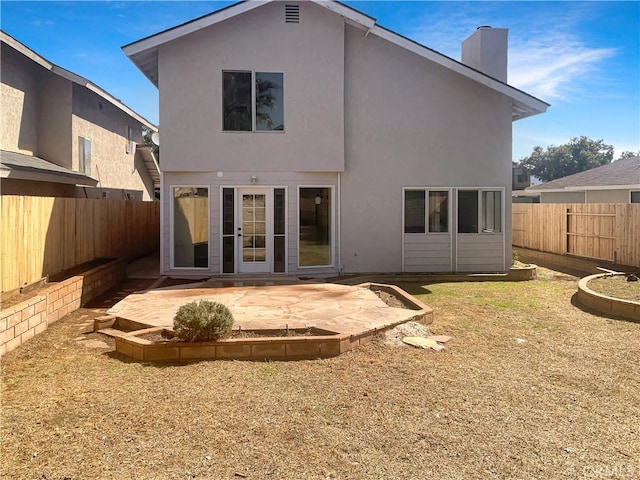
<point>582,57</point>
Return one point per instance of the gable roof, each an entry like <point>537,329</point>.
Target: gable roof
<point>623,173</point>
<point>72,77</point>
<point>144,53</point>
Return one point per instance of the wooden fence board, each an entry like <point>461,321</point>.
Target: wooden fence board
<point>603,231</point>
<point>42,236</point>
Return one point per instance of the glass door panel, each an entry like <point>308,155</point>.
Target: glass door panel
<point>255,230</point>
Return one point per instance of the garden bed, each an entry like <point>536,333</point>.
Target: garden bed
<point>610,294</point>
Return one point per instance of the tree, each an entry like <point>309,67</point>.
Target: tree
<point>146,137</point>
<point>580,154</point>
<point>628,154</point>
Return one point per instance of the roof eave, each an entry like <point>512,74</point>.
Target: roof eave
<point>144,53</point>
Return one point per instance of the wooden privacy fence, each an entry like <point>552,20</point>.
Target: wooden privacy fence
<point>602,231</point>
<point>42,236</point>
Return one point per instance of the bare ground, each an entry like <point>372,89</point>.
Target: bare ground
<point>530,387</point>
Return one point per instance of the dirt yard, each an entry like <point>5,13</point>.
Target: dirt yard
<point>531,387</point>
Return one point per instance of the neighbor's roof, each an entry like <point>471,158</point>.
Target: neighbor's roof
<point>43,62</point>
<point>28,167</point>
<point>623,173</point>
<point>144,52</point>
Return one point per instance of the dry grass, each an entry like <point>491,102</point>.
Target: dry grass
<point>563,404</point>
<point>617,287</point>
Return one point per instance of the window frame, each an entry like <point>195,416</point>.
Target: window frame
<point>129,145</point>
<point>631,192</point>
<point>480,211</point>
<point>426,191</point>
<point>332,224</point>
<point>172,227</point>
<point>253,102</point>
<point>84,160</point>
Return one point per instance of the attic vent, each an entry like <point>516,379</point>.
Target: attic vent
<point>292,13</point>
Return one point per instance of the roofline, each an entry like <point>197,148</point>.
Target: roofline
<point>227,12</point>
<point>73,77</point>
<point>524,105</point>
<point>582,189</point>
<point>39,175</point>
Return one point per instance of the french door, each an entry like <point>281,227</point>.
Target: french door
<point>254,230</point>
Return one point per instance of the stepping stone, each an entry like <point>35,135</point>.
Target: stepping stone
<point>440,338</point>
<point>420,342</point>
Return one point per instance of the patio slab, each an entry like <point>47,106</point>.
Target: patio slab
<point>339,308</point>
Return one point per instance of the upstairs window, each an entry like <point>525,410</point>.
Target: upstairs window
<point>252,101</point>
<point>129,145</point>
<point>84,155</point>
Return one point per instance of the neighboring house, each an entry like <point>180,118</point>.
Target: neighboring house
<point>520,178</point>
<point>616,182</point>
<point>303,138</point>
<point>64,136</point>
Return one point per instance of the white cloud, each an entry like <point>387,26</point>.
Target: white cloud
<point>554,67</point>
<point>547,57</point>
<point>39,23</point>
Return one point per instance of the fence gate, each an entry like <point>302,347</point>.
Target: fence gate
<point>590,231</point>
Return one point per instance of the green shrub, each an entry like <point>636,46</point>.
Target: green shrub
<point>202,321</point>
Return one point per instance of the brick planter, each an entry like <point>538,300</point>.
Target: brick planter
<point>23,321</point>
<point>604,304</point>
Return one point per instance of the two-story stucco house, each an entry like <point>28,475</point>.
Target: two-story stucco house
<point>63,136</point>
<point>301,137</point>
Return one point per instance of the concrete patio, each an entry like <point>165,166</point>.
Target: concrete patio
<point>269,304</point>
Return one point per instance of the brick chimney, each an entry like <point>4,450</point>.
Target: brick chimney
<point>486,50</point>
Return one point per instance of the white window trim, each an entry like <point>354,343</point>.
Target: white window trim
<point>450,190</point>
<point>426,191</point>
<point>235,213</point>
<point>333,227</point>
<point>171,223</point>
<point>129,148</point>
<point>480,215</point>
<point>82,161</point>
<point>253,101</point>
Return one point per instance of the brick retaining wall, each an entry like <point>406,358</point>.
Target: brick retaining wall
<point>25,320</point>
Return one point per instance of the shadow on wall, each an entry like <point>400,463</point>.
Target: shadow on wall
<point>20,80</point>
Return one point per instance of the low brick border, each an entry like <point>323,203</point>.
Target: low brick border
<point>25,320</point>
<point>604,304</point>
<point>262,348</point>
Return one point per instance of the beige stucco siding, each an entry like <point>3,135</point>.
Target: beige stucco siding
<point>410,122</point>
<point>106,126</point>
<point>54,121</point>
<point>311,57</point>
<point>18,103</point>
<point>10,186</point>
